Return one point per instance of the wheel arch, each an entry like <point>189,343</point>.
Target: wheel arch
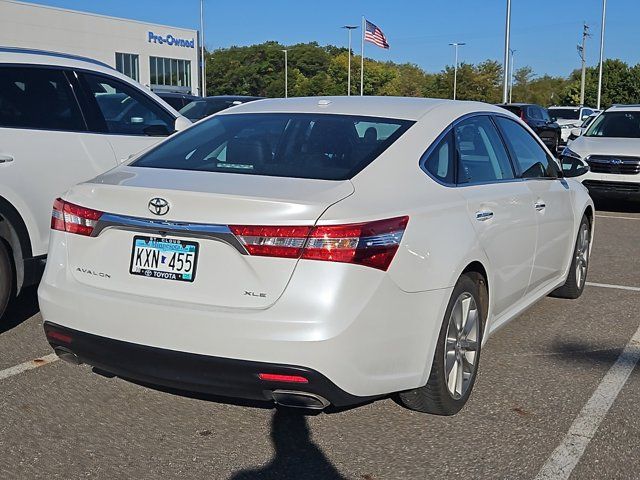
<point>478,269</point>
<point>14,232</point>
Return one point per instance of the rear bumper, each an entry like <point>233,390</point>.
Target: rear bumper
<point>191,372</point>
<point>608,189</point>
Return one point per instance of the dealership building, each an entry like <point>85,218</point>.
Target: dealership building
<point>160,57</point>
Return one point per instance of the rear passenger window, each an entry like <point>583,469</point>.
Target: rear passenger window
<point>480,152</point>
<point>529,155</point>
<point>439,161</point>
<point>38,98</point>
<point>121,109</point>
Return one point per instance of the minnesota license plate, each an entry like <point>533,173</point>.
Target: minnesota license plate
<point>157,257</point>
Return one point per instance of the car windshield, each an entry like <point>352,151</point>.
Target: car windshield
<point>588,121</point>
<point>565,113</point>
<point>199,109</point>
<point>300,145</point>
<point>616,125</point>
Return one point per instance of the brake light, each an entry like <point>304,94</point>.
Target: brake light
<point>372,244</point>
<point>71,218</point>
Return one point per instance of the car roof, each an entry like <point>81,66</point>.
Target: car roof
<point>517,105</point>
<point>407,108</point>
<point>625,108</point>
<point>569,107</point>
<point>31,55</point>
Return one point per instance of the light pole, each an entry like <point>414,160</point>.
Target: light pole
<point>582,51</point>
<point>349,28</point>
<point>505,67</point>
<point>203,66</point>
<point>604,14</point>
<point>511,63</point>
<point>455,45</point>
<point>286,74</point>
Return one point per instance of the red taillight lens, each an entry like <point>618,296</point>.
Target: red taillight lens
<point>373,244</point>
<point>272,241</point>
<point>71,218</point>
<point>275,377</point>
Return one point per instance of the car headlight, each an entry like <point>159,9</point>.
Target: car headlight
<point>567,152</point>
<point>565,127</point>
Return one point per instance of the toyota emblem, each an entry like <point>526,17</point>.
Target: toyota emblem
<point>158,206</point>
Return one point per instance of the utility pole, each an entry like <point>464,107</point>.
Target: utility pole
<point>286,74</point>
<point>582,51</point>
<point>455,45</point>
<point>349,28</point>
<point>604,14</point>
<point>505,66</point>
<point>511,64</point>
<point>203,66</point>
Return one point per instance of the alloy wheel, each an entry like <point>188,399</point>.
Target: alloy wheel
<point>461,349</point>
<point>582,255</point>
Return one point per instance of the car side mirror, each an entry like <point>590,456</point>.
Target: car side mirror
<point>573,167</point>
<point>181,123</point>
<point>576,132</point>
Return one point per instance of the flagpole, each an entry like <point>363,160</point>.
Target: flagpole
<point>362,61</point>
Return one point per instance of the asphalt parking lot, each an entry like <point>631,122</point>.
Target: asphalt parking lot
<point>536,377</point>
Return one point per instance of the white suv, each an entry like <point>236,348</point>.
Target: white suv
<point>63,120</point>
<point>569,118</point>
<point>611,148</point>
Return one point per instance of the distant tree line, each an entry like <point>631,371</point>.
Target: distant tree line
<point>322,70</point>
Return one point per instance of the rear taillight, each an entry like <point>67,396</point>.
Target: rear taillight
<point>71,218</point>
<point>373,244</point>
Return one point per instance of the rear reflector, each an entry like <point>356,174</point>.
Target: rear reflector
<point>274,377</point>
<point>373,244</point>
<point>71,218</point>
<point>58,337</point>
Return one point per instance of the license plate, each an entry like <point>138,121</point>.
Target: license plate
<point>170,259</point>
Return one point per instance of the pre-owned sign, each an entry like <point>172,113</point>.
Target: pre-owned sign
<point>171,40</point>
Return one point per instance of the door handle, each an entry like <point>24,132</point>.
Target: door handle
<point>540,205</point>
<point>6,158</point>
<point>484,215</point>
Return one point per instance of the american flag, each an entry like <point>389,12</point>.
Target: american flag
<point>374,35</point>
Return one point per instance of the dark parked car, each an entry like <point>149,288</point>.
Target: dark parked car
<point>203,107</point>
<point>177,100</point>
<point>538,119</point>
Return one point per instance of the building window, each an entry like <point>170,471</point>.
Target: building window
<point>127,63</point>
<point>170,73</point>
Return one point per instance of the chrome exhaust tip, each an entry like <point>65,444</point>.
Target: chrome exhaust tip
<point>296,399</point>
<point>67,355</point>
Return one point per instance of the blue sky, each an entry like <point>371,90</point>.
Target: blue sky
<point>544,32</point>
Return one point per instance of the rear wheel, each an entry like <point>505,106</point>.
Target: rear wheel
<point>453,372</point>
<point>577,277</point>
<point>6,278</point>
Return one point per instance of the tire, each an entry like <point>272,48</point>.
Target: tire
<point>577,277</point>
<point>6,278</point>
<point>437,397</point>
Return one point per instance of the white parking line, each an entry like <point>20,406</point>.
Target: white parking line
<point>619,217</point>
<point>607,285</point>
<point>30,365</point>
<point>567,455</point>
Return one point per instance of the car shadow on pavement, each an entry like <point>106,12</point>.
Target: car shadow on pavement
<point>586,353</point>
<point>20,309</point>
<point>296,456</point>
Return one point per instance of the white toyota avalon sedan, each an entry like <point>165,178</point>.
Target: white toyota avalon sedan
<point>316,251</point>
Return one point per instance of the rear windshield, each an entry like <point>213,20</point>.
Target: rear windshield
<point>616,125</point>
<point>565,113</point>
<point>319,146</point>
